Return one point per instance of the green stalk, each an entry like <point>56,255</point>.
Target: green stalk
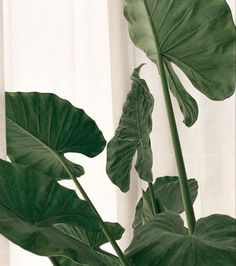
<point>188,207</point>
<point>177,149</point>
<point>106,231</point>
<point>175,137</point>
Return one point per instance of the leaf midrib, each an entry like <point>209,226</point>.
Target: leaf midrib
<point>13,213</point>
<point>156,43</point>
<point>41,223</point>
<point>48,148</point>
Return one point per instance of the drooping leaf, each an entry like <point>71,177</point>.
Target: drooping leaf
<point>90,239</point>
<point>42,127</point>
<point>196,35</point>
<point>31,203</point>
<point>168,197</point>
<point>132,135</point>
<point>165,241</point>
<point>187,104</point>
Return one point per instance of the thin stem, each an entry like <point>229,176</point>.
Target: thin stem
<point>106,231</point>
<point>175,136</point>
<point>153,200</point>
<point>178,151</point>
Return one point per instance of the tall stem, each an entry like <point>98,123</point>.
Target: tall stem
<point>175,136</point>
<point>106,231</point>
<point>177,149</point>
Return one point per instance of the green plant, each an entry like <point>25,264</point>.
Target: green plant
<point>43,217</point>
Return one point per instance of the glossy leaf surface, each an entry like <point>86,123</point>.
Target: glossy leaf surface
<point>168,197</point>
<point>31,203</point>
<point>42,127</point>
<point>165,241</point>
<point>196,35</point>
<point>131,136</point>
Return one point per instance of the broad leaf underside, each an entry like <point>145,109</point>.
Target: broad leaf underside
<point>165,241</point>
<point>196,35</point>
<point>132,135</point>
<point>42,127</point>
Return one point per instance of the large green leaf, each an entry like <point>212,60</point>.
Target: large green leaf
<point>41,128</point>
<point>165,241</point>
<point>132,135</point>
<point>32,203</point>
<point>168,197</point>
<point>196,35</point>
<point>91,239</point>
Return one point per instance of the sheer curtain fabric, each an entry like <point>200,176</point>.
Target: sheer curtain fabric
<point>81,51</point>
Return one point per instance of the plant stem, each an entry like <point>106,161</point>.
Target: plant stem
<point>153,200</point>
<point>188,207</point>
<point>177,149</point>
<point>106,231</point>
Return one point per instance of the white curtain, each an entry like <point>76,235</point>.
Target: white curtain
<point>80,50</point>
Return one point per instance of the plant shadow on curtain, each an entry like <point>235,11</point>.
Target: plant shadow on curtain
<point>80,50</point>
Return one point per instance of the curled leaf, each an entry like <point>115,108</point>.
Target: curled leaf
<point>131,136</point>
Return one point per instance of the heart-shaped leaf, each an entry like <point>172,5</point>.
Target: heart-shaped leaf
<point>196,35</point>
<point>90,239</point>
<point>132,135</point>
<point>165,241</point>
<point>168,197</point>
<point>32,203</point>
<point>42,127</point>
